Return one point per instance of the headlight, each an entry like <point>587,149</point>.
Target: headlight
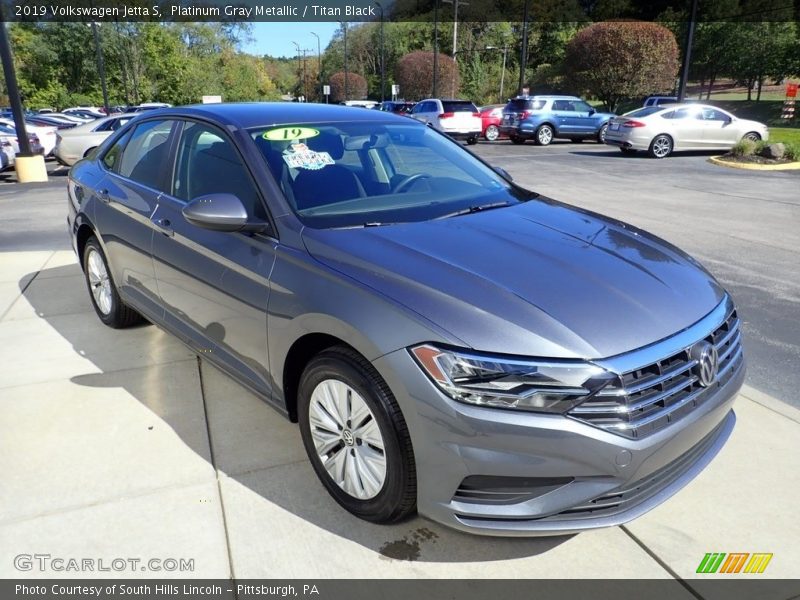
<point>535,385</point>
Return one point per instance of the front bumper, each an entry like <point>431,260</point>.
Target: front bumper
<point>567,473</point>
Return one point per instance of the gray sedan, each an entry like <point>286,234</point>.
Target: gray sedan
<point>661,130</point>
<point>448,341</point>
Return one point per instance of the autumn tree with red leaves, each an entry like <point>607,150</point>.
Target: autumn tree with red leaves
<point>615,60</point>
<point>414,75</point>
<point>356,87</point>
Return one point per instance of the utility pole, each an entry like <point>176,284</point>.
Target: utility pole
<point>101,67</point>
<point>13,92</point>
<point>523,59</point>
<point>299,81</point>
<point>383,67</point>
<point>504,49</point>
<point>319,63</point>
<point>455,4</point>
<point>687,54</point>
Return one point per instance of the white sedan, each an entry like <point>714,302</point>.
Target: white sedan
<point>661,130</point>
<point>46,135</point>
<point>74,144</point>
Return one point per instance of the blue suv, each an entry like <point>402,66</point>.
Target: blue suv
<point>545,118</point>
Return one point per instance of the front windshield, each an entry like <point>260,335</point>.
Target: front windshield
<point>366,173</point>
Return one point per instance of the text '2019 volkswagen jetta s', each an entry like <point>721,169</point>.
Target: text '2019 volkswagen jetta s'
<point>448,341</point>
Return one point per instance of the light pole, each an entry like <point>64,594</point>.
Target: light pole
<point>687,54</point>
<point>523,60</point>
<point>319,63</point>
<point>344,29</point>
<point>503,72</point>
<point>101,67</point>
<point>383,70</point>
<point>435,45</point>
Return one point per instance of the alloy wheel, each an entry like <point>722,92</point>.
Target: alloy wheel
<point>545,135</point>
<point>492,133</point>
<point>99,282</point>
<point>662,146</point>
<point>347,439</point>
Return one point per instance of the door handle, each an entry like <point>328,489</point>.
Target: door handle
<point>165,226</point>
<point>103,196</point>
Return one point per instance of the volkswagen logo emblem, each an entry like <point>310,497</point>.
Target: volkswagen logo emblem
<point>707,362</point>
<point>347,437</point>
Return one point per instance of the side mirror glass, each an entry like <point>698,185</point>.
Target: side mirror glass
<point>592,111</point>
<point>217,212</point>
<point>503,173</point>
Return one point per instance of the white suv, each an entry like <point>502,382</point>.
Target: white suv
<point>460,119</point>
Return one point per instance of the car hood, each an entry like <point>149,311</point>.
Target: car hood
<point>535,279</point>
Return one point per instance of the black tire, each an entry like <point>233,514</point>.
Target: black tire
<point>119,314</point>
<point>398,496</point>
<point>661,146</point>
<point>516,140</point>
<point>601,134</point>
<point>753,136</point>
<point>472,140</point>
<point>492,133</point>
<point>544,135</point>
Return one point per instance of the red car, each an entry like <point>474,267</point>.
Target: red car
<point>491,117</point>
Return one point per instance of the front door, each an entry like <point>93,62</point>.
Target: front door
<point>214,285</point>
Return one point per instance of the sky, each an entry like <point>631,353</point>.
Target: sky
<point>276,39</point>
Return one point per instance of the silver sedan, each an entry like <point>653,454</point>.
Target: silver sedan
<point>661,130</point>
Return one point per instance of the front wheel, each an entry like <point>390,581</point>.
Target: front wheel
<point>601,135</point>
<point>752,136</point>
<point>355,436</point>
<point>544,135</point>
<point>660,147</point>
<point>492,133</point>
<point>102,290</point>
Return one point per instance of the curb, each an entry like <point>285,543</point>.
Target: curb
<point>792,166</point>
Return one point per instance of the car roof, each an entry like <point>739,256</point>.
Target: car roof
<point>546,97</point>
<point>245,115</point>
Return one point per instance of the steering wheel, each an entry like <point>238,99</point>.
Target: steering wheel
<point>407,181</point>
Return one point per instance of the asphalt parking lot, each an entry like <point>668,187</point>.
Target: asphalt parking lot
<point>122,443</point>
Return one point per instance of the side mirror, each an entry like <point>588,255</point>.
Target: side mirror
<point>503,173</point>
<point>219,212</point>
<point>592,111</point>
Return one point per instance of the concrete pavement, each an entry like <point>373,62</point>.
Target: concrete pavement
<point>120,444</point>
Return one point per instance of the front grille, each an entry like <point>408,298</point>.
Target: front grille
<point>647,399</point>
<point>630,495</point>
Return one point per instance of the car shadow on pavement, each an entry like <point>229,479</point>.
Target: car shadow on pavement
<point>266,481</point>
<point>616,153</point>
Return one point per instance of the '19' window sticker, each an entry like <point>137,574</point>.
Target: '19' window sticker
<point>285,134</point>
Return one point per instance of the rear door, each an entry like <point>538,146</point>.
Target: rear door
<point>128,195</point>
<point>214,285</point>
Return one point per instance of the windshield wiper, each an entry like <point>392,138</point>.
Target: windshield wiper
<point>474,209</point>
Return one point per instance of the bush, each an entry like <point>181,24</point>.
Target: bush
<point>614,60</point>
<point>792,151</point>
<point>356,87</point>
<point>744,148</point>
<point>414,74</point>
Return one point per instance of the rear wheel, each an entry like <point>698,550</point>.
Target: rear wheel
<point>102,290</point>
<point>660,147</point>
<point>544,135</point>
<point>355,436</point>
<point>492,133</point>
<point>516,139</point>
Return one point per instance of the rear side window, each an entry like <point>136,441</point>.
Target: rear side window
<point>459,107</point>
<point>565,105</point>
<point>208,163</point>
<point>520,104</point>
<point>146,153</point>
<point>644,112</point>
